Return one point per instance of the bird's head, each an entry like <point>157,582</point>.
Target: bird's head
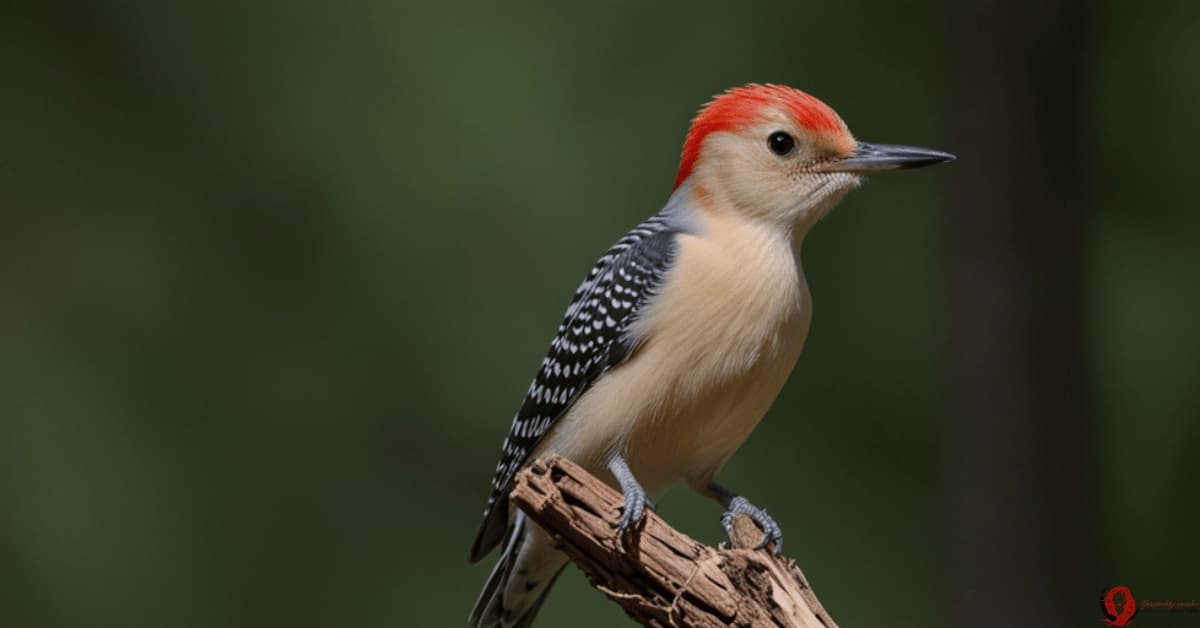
<point>775,153</point>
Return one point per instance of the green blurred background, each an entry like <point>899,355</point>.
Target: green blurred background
<point>275,276</point>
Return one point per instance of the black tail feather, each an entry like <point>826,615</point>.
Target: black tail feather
<point>503,606</point>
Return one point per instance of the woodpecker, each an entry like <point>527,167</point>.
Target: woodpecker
<point>681,336</point>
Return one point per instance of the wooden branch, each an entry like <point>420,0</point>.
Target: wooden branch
<point>660,576</point>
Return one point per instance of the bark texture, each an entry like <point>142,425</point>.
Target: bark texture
<point>660,576</point>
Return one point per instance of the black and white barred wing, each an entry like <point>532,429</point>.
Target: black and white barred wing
<point>592,338</point>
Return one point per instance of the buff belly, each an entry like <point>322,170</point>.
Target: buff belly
<point>717,349</point>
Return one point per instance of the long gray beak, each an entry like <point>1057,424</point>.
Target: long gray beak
<point>881,157</point>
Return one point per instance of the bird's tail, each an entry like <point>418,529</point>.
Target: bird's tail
<point>527,568</point>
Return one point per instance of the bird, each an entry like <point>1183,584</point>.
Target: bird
<point>682,334</point>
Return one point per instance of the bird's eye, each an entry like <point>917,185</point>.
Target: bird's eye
<point>781,143</point>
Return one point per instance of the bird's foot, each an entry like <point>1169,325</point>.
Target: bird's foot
<point>771,531</point>
<point>636,501</point>
<point>634,509</point>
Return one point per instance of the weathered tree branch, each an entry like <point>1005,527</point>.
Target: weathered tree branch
<point>660,576</point>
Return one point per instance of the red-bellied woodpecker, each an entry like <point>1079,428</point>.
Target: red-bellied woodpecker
<point>683,333</point>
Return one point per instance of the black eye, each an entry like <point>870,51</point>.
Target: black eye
<point>781,143</point>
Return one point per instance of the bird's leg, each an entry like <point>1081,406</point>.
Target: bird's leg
<point>635,496</point>
<point>736,504</point>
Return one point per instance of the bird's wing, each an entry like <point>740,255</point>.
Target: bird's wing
<point>594,336</point>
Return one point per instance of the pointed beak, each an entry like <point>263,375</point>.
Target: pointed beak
<point>870,158</point>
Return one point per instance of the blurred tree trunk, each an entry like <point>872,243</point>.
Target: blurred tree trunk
<point>1014,238</point>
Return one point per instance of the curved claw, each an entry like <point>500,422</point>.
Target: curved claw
<point>633,511</point>
<point>771,530</point>
<point>634,508</point>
